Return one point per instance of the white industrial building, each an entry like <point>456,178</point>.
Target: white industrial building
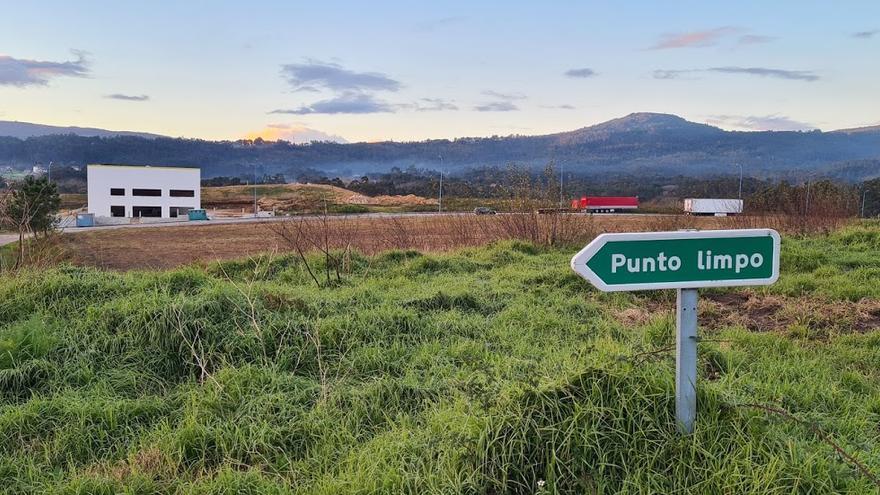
<point>143,191</point>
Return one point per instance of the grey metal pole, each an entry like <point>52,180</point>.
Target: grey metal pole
<point>440,197</point>
<point>807,205</point>
<point>561,181</point>
<point>864,198</point>
<point>740,180</point>
<point>686,360</point>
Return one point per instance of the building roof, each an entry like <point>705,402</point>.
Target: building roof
<point>141,166</point>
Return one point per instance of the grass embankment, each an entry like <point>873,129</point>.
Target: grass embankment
<point>488,370</point>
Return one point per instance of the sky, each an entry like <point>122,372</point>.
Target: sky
<point>414,70</point>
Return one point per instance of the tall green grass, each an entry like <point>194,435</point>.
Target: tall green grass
<point>490,370</point>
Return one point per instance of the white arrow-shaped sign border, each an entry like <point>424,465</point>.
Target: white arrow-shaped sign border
<point>579,261</point>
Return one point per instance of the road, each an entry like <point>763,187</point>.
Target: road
<point>10,238</point>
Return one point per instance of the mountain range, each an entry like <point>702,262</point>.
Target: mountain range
<point>23,130</point>
<point>637,144</point>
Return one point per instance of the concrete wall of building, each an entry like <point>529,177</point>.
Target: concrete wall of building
<point>103,178</point>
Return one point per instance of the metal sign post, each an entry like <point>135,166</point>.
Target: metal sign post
<point>683,260</point>
<point>686,360</point>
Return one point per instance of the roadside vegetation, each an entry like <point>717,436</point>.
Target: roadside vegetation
<point>29,210</point>
<point>483,370</point>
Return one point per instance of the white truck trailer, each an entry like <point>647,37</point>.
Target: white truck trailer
<point>716,207</point>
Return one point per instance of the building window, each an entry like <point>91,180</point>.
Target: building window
<point>146,192</point>
<point>117,211</point>
<point>176,211</point>
<point>183,193</point>
<point>117,191</point>
<point>146,211</point>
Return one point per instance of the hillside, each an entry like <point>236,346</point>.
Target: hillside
<point>487,370</point>
<point>638,144</point>
<point>23,130</point>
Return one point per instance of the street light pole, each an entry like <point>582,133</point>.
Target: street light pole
<point>440,196</point>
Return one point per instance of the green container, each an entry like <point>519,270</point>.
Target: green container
<point>197,215</point>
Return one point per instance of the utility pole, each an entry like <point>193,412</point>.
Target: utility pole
<point>255,190</point>
<point>807,205</point>
<point>740,180</point>
<point>864,198</point>
<point>561,179</point>
<point>440,196</point>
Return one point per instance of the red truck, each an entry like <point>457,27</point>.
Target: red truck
<point>605,204</point>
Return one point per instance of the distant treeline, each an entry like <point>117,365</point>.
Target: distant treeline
<point>761,195</point>
<point>649,145</point>
<point>237,181</point>
<point>824,196</point>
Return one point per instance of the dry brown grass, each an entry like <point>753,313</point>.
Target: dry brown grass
<point>298,198</point>
<point>815,317</point>
<point>166,247</point>
<point>807,316</point>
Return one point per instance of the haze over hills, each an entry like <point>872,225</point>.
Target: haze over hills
<point>23,130</point>
<point>637,144</point>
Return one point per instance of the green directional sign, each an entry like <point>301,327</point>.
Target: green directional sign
<point>684,259</point>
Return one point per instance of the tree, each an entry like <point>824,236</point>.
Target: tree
<point>32,205</point>
<point>870,191</point>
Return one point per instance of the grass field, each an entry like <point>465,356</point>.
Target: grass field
<point>484,370</point>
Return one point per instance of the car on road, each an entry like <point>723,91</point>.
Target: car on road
<point>483,210</point>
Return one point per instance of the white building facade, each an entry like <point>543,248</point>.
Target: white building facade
<point>143,191</point>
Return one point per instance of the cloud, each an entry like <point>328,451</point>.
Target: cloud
<point>866,34</point>
<point>315,74</point>
<point>505,105</point>
<point>581,73</point>
<point>306,89</point>
<point>671,73</point>
<point>798,75</point>
<point>564,106</point>
<point>347,103</point>
<point>294,133</point>
<point>120,96</point>
<point>504,96</point>
<point>434,105</point>
<point>691,39</point>
<point>24,72</point>
<point>497,106</point>
<point>442,22</point>
<point>760,123</point>
<point>754,39</point>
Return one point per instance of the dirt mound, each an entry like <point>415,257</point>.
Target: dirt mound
<point>293,197</point>
<point>384,200</point>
